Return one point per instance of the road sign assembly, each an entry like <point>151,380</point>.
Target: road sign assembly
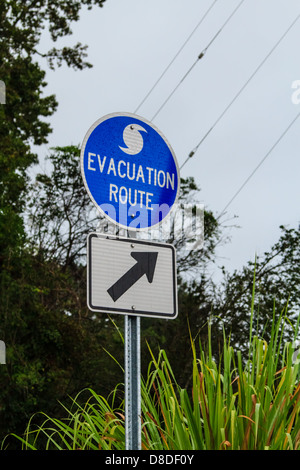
<point>129,170</point>
<point>131,175</point>
<point>131,277</point>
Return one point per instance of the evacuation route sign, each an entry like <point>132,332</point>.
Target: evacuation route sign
<point>129,171</point>
<point>131,277</point>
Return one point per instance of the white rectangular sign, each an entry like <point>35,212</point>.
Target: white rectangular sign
<point>131,277</point>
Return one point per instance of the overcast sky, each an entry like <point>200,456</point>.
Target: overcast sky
<point>131,42</point>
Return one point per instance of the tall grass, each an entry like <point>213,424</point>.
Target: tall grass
<point>235,404</point>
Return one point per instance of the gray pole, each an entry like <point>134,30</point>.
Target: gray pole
<point>132,383</point>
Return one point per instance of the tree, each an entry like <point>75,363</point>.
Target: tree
<point>22,123</point>
<point>55,345</point>
<point>60,212</point>
<point>276,280</point>
<point>22,117</point>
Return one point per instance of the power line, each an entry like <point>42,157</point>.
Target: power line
<point>176,55</point>
<point>198,58</point>
<point>177,86</point>
<point>192,153</point>
<point>259,165</point>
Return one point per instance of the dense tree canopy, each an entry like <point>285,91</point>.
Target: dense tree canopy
<point>22,117</point>
<point>23,122</point>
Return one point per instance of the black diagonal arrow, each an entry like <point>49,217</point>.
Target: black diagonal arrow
<point>146,262</point>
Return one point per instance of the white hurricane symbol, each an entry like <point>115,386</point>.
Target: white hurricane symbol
<point>133,139</point>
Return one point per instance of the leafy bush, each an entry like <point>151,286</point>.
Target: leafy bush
<point>236,404</point>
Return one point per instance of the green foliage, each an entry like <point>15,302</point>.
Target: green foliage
<point>40,322</point>
<point>54,346</point>
<point>277,279</point>
<point>22,117</point>
<point>255,406</point>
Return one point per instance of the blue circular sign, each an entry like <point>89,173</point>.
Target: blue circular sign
<point>129,170</point>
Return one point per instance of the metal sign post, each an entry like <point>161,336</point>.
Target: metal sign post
<point>132,383</point>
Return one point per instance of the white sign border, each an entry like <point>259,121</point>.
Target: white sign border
<point>84,142</point>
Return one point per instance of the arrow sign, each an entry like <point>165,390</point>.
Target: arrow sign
<point>131,277</point>
<point>145,264</point>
